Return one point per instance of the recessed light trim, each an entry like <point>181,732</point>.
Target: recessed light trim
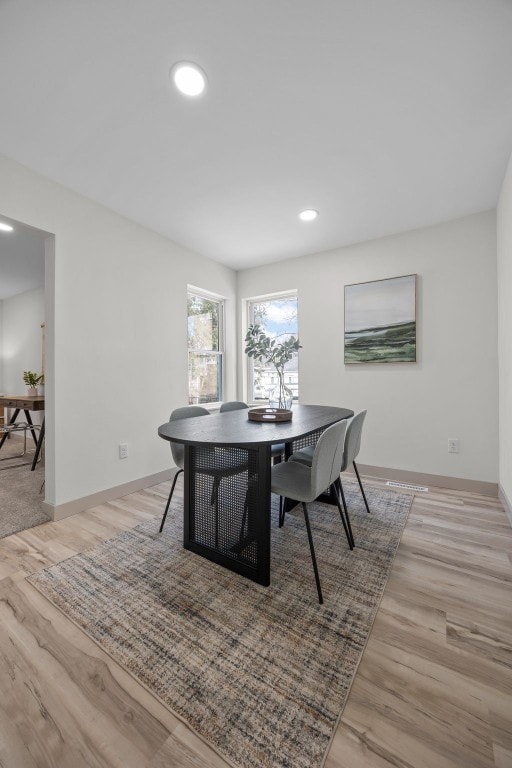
<point>308,215</point>
<point>188,78</point>
<point>5,227</point>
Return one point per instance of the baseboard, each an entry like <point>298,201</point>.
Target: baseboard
<point>60,511</point>
<point>437,481</point>
<point>506,503</point>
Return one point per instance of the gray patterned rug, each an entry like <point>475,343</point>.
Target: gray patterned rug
<point>20,498</point>
<point>261,673</point>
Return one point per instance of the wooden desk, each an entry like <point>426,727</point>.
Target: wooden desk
<point>25,403</point>
<point>235,532</point>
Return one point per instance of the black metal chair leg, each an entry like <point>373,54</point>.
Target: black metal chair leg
<point>250,480</point>
<point>244,516</point>
<point>281,511</point>
<point>361,487</point>
<point>313,558</point>
<point>342,515</point>
<point>340,488</point>
<point>169,500</point>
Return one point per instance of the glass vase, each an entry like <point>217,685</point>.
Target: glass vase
<point>280,397</point>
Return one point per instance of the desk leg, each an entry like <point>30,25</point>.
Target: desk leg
<point>38,447</point>
<point>13,419</point>
<point>31,426</point>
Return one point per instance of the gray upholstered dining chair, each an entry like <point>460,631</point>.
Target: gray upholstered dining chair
<point>178,450</point>
<point>233,405</point>
<point>213,464</point>
<point>350,452</point>
<point>276,451</point>
<point>303,483</point>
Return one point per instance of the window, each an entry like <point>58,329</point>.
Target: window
<point>205,348</point>
<point>278,317</point>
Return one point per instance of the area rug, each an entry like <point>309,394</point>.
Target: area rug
<point>260,673</point>
<point>20,498</point>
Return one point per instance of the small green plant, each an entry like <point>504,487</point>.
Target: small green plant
<point>32,379</point>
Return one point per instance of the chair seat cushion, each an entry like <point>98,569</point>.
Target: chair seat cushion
<point>293,480</point>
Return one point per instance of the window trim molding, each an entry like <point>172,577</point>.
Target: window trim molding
<point>247,366</point>
<point>202,293</point>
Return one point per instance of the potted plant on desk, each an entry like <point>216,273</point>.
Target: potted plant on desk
<point>266,349</point>
<point>32,379</point>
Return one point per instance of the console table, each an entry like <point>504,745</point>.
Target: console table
<point>25,403</point>
<point>227,517</point>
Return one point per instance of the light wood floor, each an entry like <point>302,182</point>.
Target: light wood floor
<point>433,690</point>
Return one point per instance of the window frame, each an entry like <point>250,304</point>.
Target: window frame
<point>249,320</point>
<point>201,293</point>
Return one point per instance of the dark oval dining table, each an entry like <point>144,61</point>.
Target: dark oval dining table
<point>227,481</point>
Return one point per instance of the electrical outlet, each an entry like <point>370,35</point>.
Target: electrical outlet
<point>123,450</point>
<point>453,445</point>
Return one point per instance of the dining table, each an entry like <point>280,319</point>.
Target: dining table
<point>227,480</point>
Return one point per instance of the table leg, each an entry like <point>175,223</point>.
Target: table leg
<point>31,426</point>
<point>219,505</point>
<point>263,518</point>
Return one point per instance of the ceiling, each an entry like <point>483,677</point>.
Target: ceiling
<point>384,115</point>
<point>21,259</point>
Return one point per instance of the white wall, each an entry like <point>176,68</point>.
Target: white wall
<point>21,345</point>
<point>452,391</point>
<point>1,357</point>
<point>504,230</point>
<point>21,342</point>
<point>119,334</point>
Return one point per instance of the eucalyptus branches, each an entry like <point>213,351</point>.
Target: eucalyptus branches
<point>266,349</point>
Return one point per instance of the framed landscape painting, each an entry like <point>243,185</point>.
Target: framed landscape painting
<point>380,321</point>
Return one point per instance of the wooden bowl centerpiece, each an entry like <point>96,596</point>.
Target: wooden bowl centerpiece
<point>269,414</point>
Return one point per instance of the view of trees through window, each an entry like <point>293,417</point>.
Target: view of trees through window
<point>278,317</point>
<point>205,339</point>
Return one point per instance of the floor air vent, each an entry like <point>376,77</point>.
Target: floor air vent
<point>408,486</point>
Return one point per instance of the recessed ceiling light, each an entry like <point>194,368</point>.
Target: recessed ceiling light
<point>309,215</point>
<point>5,227</point>
<point>188,78</point>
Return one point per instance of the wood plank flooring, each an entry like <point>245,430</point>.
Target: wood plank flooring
<point>433,690</point>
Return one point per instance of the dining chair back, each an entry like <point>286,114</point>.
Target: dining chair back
<point>327,458</point>
<point>352,446</point>
<point>353,440</point>
<point>233,405</point>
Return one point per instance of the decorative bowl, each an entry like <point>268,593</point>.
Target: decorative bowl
<point>270,414</point>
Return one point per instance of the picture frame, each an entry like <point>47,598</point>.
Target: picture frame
<point>380,321</point>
